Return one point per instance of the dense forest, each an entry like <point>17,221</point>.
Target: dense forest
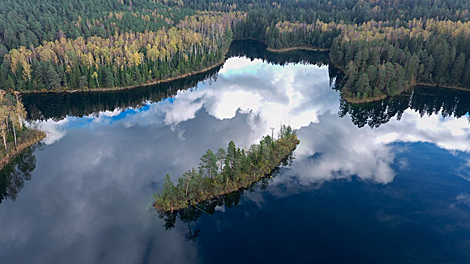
<point>382,47</point>
<point>122,60</point>
<point>383,60</point>
<point>226,171</point>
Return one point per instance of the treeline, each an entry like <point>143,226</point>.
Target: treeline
<point>380,60</point>
<point>57,106</point>
<point>122,60</point>
<point>226,171</point>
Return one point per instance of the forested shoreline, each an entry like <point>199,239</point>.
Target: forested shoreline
<point>122,60</point>
<point>226,171</point>
<point>14,134</point>
<point>382,47</point>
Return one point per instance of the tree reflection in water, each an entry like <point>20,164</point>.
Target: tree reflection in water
<point>424,100</point>
<point>16,172</point>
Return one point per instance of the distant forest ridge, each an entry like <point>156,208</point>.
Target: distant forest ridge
<point>382,47</point>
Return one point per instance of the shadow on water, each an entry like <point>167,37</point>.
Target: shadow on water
<point>192,213</point>
<point>16,172</point>
<point>424,100</point>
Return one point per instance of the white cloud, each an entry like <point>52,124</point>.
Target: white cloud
<point>54,129</point>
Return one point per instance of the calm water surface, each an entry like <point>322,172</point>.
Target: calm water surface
<point>381,183</point>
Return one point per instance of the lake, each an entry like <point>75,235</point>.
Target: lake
<point>385,182</point>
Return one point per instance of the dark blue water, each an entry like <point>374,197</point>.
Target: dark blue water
<point>397,193</point>
<point>420,217</point>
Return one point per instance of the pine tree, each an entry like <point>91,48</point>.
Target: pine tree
<point>208,165</point>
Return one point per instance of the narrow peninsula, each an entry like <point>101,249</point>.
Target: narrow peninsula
<point>226,171</point>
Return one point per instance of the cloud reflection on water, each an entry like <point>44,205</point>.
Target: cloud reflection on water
<point>110,163</point>
<point>298,95</point>
<point>88,202</point>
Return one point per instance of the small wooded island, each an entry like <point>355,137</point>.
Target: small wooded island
<point>226,171</point>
